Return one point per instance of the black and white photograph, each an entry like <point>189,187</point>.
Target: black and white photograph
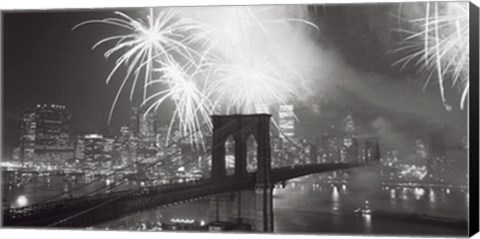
<point>319,119</point>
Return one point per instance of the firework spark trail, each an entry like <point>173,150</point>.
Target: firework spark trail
<point>197,64</point>
<point>441,47</point>
<point>245,87</point>
<point>192,106</point>
<point>239,37</point>
<point>157,39</point>
<point>228,31</point>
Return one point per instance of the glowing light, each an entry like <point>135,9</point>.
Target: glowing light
<point>419,192</point>
<point>431,196</point>
<point>230,30</point>
<point>441,46</point>
<point>247,84</point>
<point>22,201</point>
<point>155,39</point>
<point>182,221</point>
<point>413,171</point>
<point>192,106</point>
<point>392,193</point>
<point>198,63</point>
<point>335,195</point>
<point>368,221</point>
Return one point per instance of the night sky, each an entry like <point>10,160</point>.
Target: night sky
<point>46,62</point>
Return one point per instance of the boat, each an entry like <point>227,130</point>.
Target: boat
<point>363,210</point>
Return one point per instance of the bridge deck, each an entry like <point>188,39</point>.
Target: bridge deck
<point>95,209</point>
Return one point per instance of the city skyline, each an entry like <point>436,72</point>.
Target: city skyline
<point>45,137</point>
<point>329,100</point>
<point>265,118</point>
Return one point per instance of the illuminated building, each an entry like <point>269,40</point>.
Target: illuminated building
<point>436,163</point>
<point>134,121</point>
<point>147,128</point>
<point>161,136</point>
<point>286,121</point>
<point>53,145</point>
<point>421,153</point>
<point>28,125</point>
<point>349,125</point>
<point>16,154</point>
<point>52,127</point>
<point>124,150</point>
<point>276,152</point>
<point>331,150</point>
<point>80,148</point>
<point>304,153</point>
<point>318,151</point>
<point>349,149</point>
<point>372,150</point>
<point>348,142</point>
<point>98,150</point>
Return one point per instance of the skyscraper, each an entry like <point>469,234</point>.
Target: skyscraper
<point>437,163</point>
<point>349,125</point>
<point>349,149</point>
<point>147,128</point>
<point>28,126</point>
<point>286,121</point>
<point>98,150</point>
<point>52,127</point>
<point>93,148</point>
<point>348,142</point>
<point>372,150</point>
<point>134,121</point>
<point>45,135</point>
<point>330,148</point>
<point>53,145</point>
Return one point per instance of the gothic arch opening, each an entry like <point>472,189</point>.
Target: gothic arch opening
<point>252,151</point>
<point>230,156</point>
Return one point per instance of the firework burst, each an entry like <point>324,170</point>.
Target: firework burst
<point>245,74</point>
<point>196,63</point>
<point>249,87</point>
<point>157,39</point>
<point>441,46</point>
<point>227,31</point>
<point>192,106</point>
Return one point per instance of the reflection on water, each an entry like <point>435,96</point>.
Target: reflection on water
<point>335,194</point>
<point>431,196</point>
<point>299,207</point>
<point>36,188</point>
<point>392,210</point>
<point>368,222</point>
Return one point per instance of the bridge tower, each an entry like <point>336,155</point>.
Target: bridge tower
<point>251,208</point>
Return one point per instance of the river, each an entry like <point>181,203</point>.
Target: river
<point>300,207</point>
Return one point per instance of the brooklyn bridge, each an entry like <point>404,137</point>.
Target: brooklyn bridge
<point>244,198</point>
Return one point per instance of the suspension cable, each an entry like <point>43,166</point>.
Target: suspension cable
<point>127,193</point>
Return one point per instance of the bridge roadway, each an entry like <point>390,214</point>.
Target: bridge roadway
<point>96,209</point>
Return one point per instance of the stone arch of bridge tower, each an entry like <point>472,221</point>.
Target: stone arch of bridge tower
<point>252,152</point>
<point>240,128</point>
<point>230,155</point>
